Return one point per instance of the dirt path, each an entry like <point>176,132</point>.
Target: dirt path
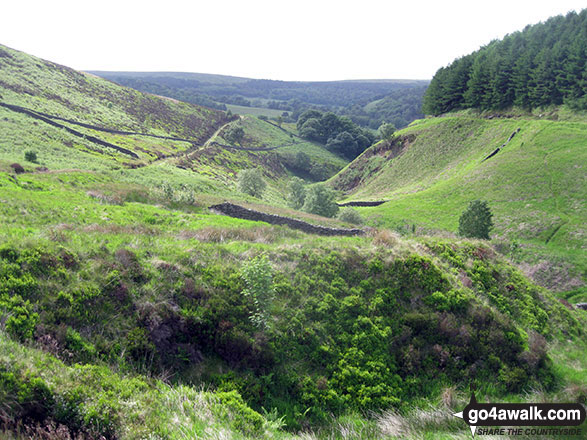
<point>216,133</point>
<point>52,120</point>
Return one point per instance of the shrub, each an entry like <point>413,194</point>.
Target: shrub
<point>20,319</point>
<point>476,220</point>
<point>296,193</point>
<point>386,130</point>
<point>230,406</point>
<point>320,200</point>
<point>258,276</point>
<point>234,134</point>
<point>303,161</point>
<point>350,215</point>
<point>251,182</point>
<point>30,156</point>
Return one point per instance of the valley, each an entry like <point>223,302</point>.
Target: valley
<point>174,271</point>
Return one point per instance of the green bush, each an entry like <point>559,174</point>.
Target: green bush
<point>251,182</point>
<point>296,193</point>
<point>230,406</point>
<point>30,156</point>
<point>234,134</point>
<point>350,215</point>
<point>20,320</point>
<point>320,200</point>
<point>258,276</point>
<point>386,130</point>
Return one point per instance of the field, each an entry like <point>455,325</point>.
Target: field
<point>254,111</point>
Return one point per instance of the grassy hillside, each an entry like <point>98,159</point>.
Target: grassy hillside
<point>172,140</point>
<point>535,185</point>
<point>60,91</point>
<point>129,310</point>
<point>114,276</point>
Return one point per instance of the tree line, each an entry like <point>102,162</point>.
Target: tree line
<point>542,65</point>
<point>339,133</point>
<point>367,103</point>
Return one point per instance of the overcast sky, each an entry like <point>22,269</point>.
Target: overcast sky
<point>287,40</point>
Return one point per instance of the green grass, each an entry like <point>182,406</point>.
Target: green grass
<point>124,274</point>
<point>57,90</point>
<point>254,111</point>
<point>535,186</point>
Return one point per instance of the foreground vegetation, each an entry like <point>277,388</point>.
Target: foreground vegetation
<point>349,324</point>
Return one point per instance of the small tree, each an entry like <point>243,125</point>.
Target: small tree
<point>476,221</point>
<point>251,182</point>
<point>350,215</point>
<point>258,276</point>
<point>297,193</point>
<point>235,134</point>
<point>320,200</point>
<point>30,156</point>
<point>303,161</point>
<point>344,143</point>
<point>386,130</point>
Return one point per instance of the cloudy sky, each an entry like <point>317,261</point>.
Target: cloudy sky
<point>287,40</point>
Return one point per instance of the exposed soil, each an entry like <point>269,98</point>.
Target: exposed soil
<point>498,149</point>
<point>358,203</point>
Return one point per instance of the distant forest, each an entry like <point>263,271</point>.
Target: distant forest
<point>367,103</point>
<point>542,65</point>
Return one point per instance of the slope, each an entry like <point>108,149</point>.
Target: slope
<point>73,120</point>
<point>300,325</point>
<point>115,275</point>
<point>535,184</point>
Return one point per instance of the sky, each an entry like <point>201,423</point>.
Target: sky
<point>304,40</point>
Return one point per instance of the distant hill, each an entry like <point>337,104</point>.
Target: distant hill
<point>399,100</point>
<point>542,65</point>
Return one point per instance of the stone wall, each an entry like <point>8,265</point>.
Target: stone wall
<point>237,211</point>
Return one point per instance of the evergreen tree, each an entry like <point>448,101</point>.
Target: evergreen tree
<point>476,221</point>
<point>545,64</point>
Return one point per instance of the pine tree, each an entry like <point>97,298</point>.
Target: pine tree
<point>476,221</point>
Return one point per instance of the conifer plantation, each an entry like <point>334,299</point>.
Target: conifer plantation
<point>542,65</point>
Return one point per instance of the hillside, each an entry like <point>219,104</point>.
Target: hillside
<point>74,120</point>
<point>59,91</point>
<point>130,310</point>
<point>367,102</point>
<point>117,277</point>
<point>535,184</point>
